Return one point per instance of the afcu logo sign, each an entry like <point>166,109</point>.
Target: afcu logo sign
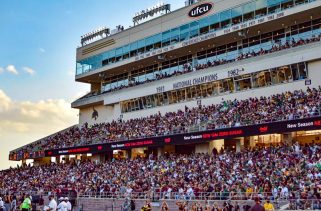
<point>200,10</point>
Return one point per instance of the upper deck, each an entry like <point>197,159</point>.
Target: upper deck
<point>176,32</point>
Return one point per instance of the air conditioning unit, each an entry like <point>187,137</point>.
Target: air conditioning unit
<point>190,2</point>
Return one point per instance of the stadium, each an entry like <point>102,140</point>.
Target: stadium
<point>213,106</point>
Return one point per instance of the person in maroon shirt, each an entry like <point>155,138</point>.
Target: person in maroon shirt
<point>257,206</point>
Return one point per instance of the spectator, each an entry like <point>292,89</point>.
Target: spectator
<point>69,206</point>
<point>257,206</point>
<point>26,204</point>
<point>268,206</point>
<point>164,206</point>
<point>14,203</point>
<point>132,205</point>
<point>1,205</point>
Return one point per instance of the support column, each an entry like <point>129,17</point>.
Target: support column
<point>58,159</point>
<point>288,138</point>
<point>252,141</point>
<point>238,145</point>
<point>67,160</point>
<point>160,151</point>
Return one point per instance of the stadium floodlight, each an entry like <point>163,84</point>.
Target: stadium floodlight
<point>100,32</point>
<point>150,12</point>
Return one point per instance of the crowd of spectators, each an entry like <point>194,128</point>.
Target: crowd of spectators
<point>271,172</point>
<point>189,67</point>
<point>298,104</point>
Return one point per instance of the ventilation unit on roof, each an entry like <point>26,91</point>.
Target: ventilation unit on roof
<point>190,2</point>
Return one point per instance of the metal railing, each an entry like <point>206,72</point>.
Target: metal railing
<point>158,195</point>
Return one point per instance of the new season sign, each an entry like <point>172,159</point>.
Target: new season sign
<point>200,10</point>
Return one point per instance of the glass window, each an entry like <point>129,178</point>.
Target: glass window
<point>141,46</point>
<point>214,21</point>
<point>133,49</point>
<point>285,4</point>
<point>236,14</point>
<point>260,8</point>
<point>184,32</point>
<point>284,74</point>
<point>119,51</point>
<point>149,42</point>
<point>133,46</point>
<point>112,56</point>
<point>273,6</point>
<point>126,50</point>
<point>194,29</point>
<point>158,41</point>
<point>204,26</point>
<point>216,88</point>
<point>274,76</point>
<point>244,83</point>
<point>297,2</point>
<point>259,79</point>
<point>226,85</point>
<point>166,38</point>
<point>303,73</point>
<point>118,54</point>
<point>225,18</point>
<point>248,11</point>
<point>294,69</point>
<point>174,35</point>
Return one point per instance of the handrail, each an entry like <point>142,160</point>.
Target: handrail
<point>158,195</point>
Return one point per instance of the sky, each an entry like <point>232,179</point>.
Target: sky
<point>38,41</point>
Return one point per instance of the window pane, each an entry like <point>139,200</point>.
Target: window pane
<point>141,44</point>
<point>184,32</point>
<point>204,22</point>
<point>236,12</point>
<point>273,2</point>
<point>149,40</point>
<point>226,15</point>
<point>174,35</point>
<point>133,46</point>
<point>259,4</point>
<point>119,51</point>
<point>166,38</point>
<point>249,7</point>
<point>126,49</point>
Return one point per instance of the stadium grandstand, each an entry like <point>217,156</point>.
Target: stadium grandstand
<point>214,106</point>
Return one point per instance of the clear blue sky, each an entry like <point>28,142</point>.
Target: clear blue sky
<point>38,40</point>
<point>30,26</point>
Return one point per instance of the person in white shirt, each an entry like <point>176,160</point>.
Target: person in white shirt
<point>62,206</point>
<point>285,192</point>
<point>1,204</point>
<point>52,204</point>
<point>69,207</point>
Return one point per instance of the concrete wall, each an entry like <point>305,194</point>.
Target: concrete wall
<point>105,114</point>
<point>91,204</point>
<point>315,73</point>
<point>202,148</point>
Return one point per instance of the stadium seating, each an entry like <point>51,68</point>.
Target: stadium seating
<point>277,172</point>
<point>285,106</point>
